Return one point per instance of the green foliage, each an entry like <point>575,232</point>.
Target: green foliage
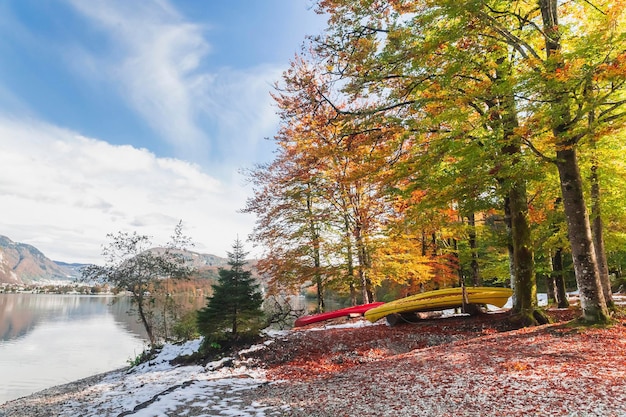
<point>412,115</point>
<point>186,328</point>
<point>145,356</point>
<point>480,89</point>
<point>233,313</point>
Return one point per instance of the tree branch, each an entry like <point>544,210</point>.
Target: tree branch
<point>537,152</point>
<point>521,46</point>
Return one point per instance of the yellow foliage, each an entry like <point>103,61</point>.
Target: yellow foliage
<point>400,261</point>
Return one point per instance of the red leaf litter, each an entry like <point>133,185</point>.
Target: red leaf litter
<point>457,366</point>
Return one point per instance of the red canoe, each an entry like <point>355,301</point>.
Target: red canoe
<point>314,318</point>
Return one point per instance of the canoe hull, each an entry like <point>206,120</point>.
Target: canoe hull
<point>344,312</point>
<point>441,300</point>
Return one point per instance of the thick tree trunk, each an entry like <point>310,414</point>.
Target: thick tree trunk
<point>509,246</point>
<point>522,262</point>
<point>592,299</point>
<point>523,259</point>
<point>525,282</point>
<point>598,236</point>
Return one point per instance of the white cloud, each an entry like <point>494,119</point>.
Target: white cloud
<point>158,63</point>
<point>63,193</point>
<point>154,61</point>
<point>239,103</point>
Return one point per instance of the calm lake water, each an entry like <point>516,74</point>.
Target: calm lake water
<point>47,340</point>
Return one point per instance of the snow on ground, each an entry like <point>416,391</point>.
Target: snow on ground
<point>157,388</point>
<point>350,325</point>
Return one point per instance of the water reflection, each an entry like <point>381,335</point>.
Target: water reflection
<point>22,313</point>
<point>48,340</point>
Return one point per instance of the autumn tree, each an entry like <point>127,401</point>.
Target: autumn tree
<point>355,164</point>
<point>349,160</point>
<point>324,192</point>
<point>611,206</point>
<point>570,98</point>
<point>289,221</point>
<point>566,81</point>
<point>449,97</point>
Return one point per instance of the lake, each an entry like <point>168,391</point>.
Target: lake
<point>49,339</point>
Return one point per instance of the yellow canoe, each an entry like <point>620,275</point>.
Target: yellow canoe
<point>441,300</point>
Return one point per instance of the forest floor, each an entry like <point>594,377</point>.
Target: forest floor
<point>452,366</point>
<point>456,366</point>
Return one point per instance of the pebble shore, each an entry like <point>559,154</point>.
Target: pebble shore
<point>49,402</point>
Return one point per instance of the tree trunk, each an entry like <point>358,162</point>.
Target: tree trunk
<point>321,306</point>
<point>165,319</point>
<point>476,280</point>
<point>455,253</point>
<point>509,247</point>
<point>353,295</point>
<point>559,279</point>
<point>521,254</point>
<point>525,281</point>
<point>317,264</point>
<point>523,259</point>
<point>350,261</point>
<point>363,264</point>
<point>592,299</point>
<point>598,235</point>
<point>144,320</point>
<point>551,284</point>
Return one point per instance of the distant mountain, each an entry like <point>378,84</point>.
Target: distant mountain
<point>207,266</point>
<point>24,264</point>
<point>74,269</point>
<point>21,263</point>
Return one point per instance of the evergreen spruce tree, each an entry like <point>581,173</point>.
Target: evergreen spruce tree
<point>233,312</point>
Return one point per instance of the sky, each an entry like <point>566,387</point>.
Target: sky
<point>132,115</point>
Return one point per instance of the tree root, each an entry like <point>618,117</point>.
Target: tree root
<point>528,318</point>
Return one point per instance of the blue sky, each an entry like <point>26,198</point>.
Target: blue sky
<point>134,114</point>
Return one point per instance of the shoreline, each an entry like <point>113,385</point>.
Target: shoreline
<point>47,402</point>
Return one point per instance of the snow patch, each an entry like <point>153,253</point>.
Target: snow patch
<point>351,325</point>
<point>157,388</point>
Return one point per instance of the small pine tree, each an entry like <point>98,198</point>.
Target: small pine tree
<point>234,309</point>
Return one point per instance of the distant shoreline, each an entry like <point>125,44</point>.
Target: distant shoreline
<point>59,288</point>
